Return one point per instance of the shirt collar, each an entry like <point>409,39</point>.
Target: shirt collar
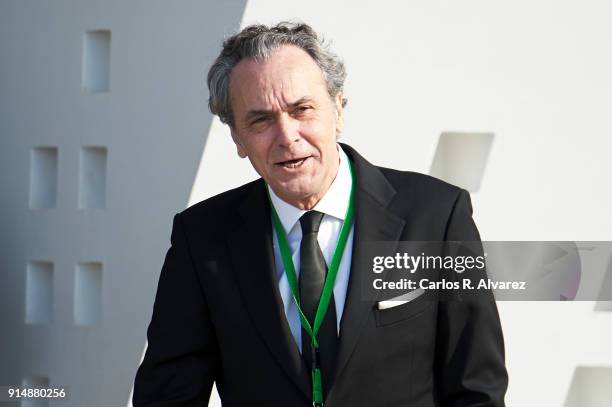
<point>334,202</point>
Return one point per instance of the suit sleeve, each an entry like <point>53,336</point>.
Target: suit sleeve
<point>470,367</point>
<point>182,355</point>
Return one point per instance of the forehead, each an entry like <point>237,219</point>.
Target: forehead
<point>288,73</point>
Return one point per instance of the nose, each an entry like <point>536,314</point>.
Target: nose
<point>287,130</point>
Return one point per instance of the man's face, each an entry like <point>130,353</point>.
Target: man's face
<point>286,124</point>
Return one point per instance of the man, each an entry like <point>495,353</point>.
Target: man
<point>226,309</point>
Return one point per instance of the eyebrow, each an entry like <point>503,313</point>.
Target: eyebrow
<point>259,113</point>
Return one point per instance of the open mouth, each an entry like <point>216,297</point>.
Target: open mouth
<point>293,163</point>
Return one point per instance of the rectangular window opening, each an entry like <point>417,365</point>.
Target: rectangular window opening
<point>461,158</point>
<point>43,177</point>
<point>39,292</point>
<point>88,293</point>
<point>34,382</point>
<point>96,61</point>
<point>590,387</point>
<point>92,178</point>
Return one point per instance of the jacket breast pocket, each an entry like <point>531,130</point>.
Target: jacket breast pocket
<point>411,309</point>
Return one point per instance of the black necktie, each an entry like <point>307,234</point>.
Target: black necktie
<point>313,271</point>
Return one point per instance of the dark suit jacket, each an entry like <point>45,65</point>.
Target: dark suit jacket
<point>218,316</point>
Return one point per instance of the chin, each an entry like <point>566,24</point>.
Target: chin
<point>294,191</point>
<point>297,193</point>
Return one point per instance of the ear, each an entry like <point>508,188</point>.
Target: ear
<point>339,113</point>
<point>240,150</point>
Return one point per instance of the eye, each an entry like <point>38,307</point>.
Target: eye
<point>302,109</point>
<point>258,120</point>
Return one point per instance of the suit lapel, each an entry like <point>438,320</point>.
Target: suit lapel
<point>253,260</point>
<point>373,222</point>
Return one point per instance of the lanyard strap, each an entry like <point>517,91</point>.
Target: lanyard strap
<point>328,287</point>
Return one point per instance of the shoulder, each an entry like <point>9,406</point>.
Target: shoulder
<point>436,209</point>
<point>221,210</point>
<point>421,186</point>
<point>425,195</point>
<point>413,192</point>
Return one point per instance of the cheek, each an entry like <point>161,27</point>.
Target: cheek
<point>260,150</point>
<point>324,137</point>
<point>319,132</point>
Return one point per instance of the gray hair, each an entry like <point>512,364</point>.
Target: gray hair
<point>258,41</point>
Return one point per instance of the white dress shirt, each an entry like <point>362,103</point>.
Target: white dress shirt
<point>334,205</point>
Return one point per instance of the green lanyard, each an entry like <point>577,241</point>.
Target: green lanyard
<point>328,288</point>
<point>317,384</point>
